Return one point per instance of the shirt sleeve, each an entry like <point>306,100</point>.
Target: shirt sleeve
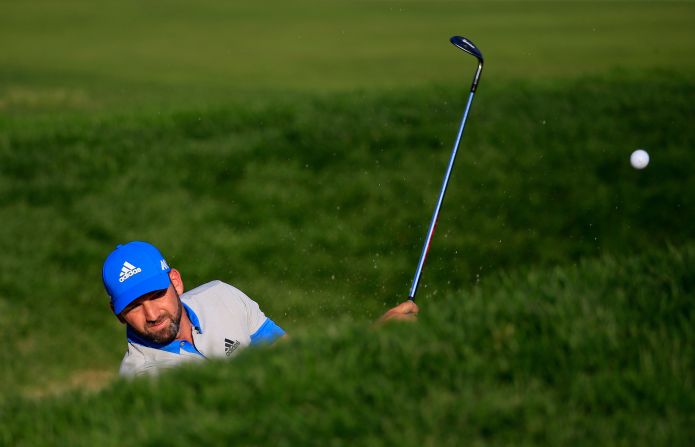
<point>261,328</point>
<point>267,333</point>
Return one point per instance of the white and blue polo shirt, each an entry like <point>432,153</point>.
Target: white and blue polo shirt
<point>224,320</point>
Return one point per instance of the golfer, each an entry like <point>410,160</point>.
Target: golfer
<point>167,326</point>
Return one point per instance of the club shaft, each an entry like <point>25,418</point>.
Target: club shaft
<point>442,192</point>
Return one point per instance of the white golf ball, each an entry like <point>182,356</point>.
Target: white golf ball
<point>639,159</point>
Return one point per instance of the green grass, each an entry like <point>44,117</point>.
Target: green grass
<point>325,222</point>
<point>600,353</point>
<point>295,151</point>
<point>81,55</point>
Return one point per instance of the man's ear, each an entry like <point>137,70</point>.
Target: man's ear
<point>176,280</point>
<point>120,318</point>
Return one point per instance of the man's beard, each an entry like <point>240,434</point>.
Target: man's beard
<point>167,333</point>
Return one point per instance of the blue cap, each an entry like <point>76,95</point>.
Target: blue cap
<point>132,270</point>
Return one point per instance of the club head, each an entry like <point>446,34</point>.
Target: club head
<point>467,46</point>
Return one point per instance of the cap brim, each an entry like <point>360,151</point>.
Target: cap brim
<point>158,282</point>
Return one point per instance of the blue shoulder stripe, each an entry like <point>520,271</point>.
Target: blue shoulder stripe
<point>267,333</point>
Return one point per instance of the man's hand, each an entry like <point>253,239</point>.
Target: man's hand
<point>406,311</point>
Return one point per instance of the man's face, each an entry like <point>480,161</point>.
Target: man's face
<point>155,316</point>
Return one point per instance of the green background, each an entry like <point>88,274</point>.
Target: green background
<point>86,55</point>
<point>295,150</point>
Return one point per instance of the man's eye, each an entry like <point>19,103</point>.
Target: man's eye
<point>131,308</point>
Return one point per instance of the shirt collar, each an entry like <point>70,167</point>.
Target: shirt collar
<point>193,317</point>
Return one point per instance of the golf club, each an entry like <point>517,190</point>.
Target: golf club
<point>467,46</point>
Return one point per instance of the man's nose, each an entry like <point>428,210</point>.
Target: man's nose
<point>150,310</point>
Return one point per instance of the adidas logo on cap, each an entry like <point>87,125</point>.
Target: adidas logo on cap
<point>127,271</point>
